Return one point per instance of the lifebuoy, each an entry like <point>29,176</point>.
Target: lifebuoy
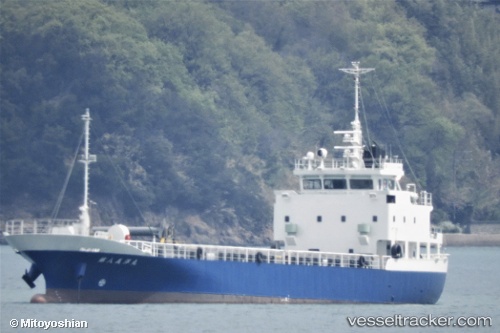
<point>396,251</point>
<point>199,253</point>
<point>258,257</point>
<point>361,262</point>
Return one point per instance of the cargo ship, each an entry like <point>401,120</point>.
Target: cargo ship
<point>349,233</point>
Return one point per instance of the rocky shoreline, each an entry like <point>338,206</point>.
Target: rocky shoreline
<point>471,240</point>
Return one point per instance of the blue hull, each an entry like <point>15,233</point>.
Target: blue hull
<point>111,278</point>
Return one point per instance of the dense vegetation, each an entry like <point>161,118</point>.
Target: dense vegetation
<point>199,108</point>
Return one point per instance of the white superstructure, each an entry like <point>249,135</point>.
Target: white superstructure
<point>355,203</point>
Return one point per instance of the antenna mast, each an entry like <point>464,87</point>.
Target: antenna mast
<point>356,71</point>
<point>353,151</point>
<point>86,159</point>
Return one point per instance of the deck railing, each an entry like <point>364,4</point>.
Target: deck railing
<point>35,226</point>
<point>259,255</point>
<point>425,198</point>
<point>341,163</point>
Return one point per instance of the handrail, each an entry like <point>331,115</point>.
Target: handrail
<point>425,198</point>
<point>259,255</point>
<point>35,226</point>
<point>341,163</point>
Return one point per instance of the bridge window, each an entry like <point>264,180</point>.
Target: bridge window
<point>361,184</point>
<point>335,184</point>
<point>312,184</point>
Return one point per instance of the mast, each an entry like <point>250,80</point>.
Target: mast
<point>353,153</point>
<point>356,71</point>
<point>86,159</point>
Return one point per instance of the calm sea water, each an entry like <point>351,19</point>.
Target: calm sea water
<point>472,289</point>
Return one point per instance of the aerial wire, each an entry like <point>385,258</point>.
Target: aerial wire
<point>368,143</point>
<point>386,114</point>
<point>60,198</point>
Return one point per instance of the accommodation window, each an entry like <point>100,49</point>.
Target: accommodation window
<point>374,218</point>
<point>319,218</point>
<point>287,218</point>
<point>343,218</point>
<point>391,199</point>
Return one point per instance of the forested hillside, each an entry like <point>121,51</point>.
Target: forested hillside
<point>199,108</point>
